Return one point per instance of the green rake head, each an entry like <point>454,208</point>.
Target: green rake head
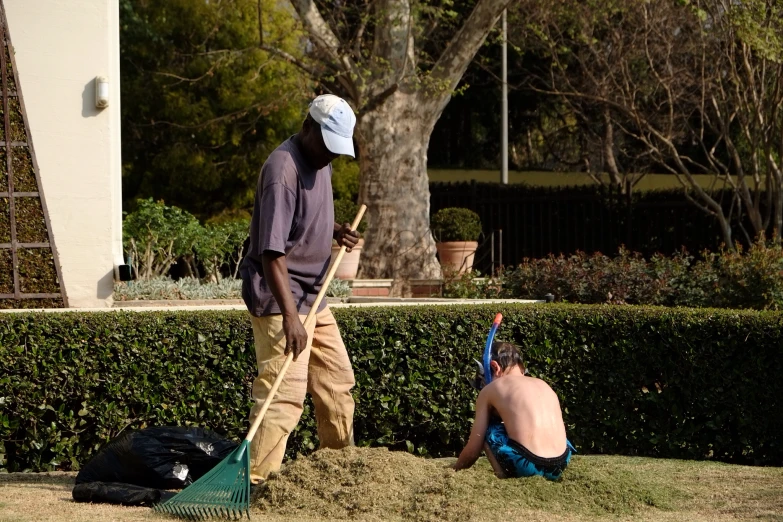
<point>224,492</point>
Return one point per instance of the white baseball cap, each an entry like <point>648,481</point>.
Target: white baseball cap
<point>337,121</point>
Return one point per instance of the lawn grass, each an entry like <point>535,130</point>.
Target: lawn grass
<point>559,179</point>
<point>401,487</point>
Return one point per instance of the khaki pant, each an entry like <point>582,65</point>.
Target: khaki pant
<point>323,369</point>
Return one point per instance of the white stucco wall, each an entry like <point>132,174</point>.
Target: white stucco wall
<point>60,47</point>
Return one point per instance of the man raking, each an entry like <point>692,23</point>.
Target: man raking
<point>291,234</point>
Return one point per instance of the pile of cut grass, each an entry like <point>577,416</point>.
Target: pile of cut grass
<point>376,484</point>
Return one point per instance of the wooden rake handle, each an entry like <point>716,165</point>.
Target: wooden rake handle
<point>308,321</point>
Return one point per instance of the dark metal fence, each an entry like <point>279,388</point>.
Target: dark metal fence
<point>537,221</point>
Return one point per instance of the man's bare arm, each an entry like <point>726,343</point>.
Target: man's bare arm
<point>276,274</point>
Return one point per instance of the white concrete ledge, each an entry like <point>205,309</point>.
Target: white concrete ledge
<point>370,283</point>
<point>177,303</point>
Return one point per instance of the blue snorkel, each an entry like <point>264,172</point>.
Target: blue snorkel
<point>488,349</point>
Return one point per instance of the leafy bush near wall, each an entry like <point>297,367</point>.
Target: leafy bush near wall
<point>156,236</point>
<point>679,383</point>
<point>626,278</point>
<point>338,288</point>
<point>221,244</point>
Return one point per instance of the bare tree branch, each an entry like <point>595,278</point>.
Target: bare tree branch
<point>260,26</point>
<point>211,121</point>
<point>327,42</point>
<point>452,63</point>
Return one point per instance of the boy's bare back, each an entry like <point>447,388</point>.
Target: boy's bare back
<point>531,413</point>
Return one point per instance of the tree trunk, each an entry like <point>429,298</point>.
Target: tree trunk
<point>725,228</point>
<point>777,232</point>
<point>398,105</point>
<point>609,160</point>
<point>393,141</point>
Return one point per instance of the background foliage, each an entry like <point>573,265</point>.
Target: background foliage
<point>158,236</point>
<point>202,104</point>
<point>345,179</point>
<point>641,381</point>
<point>345,211</point>
<point>729,279</point>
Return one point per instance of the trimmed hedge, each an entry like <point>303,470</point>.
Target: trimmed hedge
<point>641,381</point>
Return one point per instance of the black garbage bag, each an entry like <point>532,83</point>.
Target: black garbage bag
<point>119,493</point>
<point>167,457</point>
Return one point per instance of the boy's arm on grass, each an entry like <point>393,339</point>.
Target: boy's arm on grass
<point>475,444</point>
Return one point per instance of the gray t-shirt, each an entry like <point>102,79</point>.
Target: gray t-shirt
<point>293,214</point>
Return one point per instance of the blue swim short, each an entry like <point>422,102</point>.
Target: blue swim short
<point>517,461</point>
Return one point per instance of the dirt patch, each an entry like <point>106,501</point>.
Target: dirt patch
<point>376,484</point>
<point>46,497</point>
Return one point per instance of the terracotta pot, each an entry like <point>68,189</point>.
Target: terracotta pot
<point>349,266</point>
<point>457,254</point>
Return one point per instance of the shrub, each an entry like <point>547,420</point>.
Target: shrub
<point>192,288</point>
<point>752,279</point>
<point>219,247</point>
<point>345,212</point>
<point>455,224</point>
<point>155,235</point>
<point>469,285</point>
<point>641,381</point>
<point>338,288</point>
<point>345,179</point>
<point>581,278</point>
<point>185,288</point>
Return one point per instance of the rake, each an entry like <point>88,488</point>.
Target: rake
<point>224,491</point>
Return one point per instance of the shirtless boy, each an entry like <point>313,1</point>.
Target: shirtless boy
<point>518,422</point>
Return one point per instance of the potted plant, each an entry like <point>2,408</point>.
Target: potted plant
<point>456,232</point>
<point>344,212</point>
